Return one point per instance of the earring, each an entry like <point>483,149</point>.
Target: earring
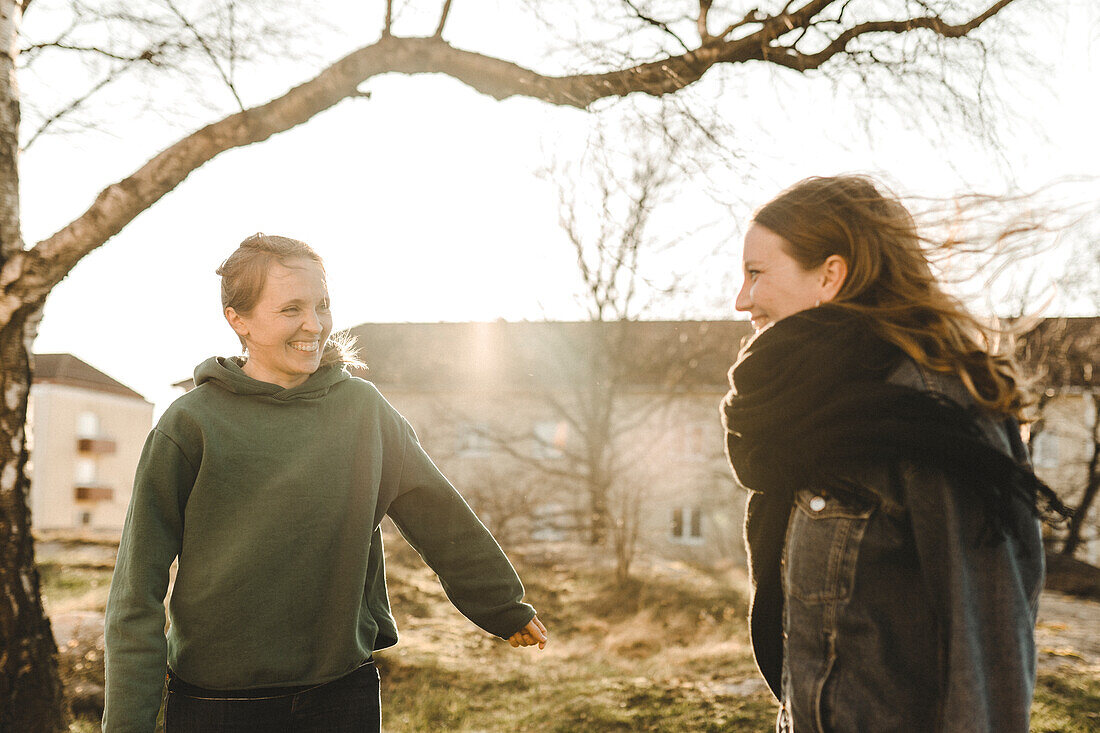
<point>818,303</point>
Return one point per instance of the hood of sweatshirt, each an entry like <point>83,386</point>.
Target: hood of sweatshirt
<point>227,374</point>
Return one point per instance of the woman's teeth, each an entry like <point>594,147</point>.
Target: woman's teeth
<point>304,345</point>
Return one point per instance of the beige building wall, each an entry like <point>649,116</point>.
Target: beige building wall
<point>695,508</point>
<point>1061,452</point>
<point>466,432</point>
<point>672,462</point>
<point>85,446</point>
<point>672,478</point>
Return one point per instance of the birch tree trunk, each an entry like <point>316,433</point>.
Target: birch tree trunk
<point>30,691</point>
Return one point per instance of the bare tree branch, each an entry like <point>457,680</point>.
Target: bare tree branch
<point>787,56</point>
<point>150,54</point>
<point>71,106</point>
<point>655,23</point>
<point>209,52</point>
<point>31,274</point>
<point>701,21</point>
<point>442,19</point>
<point>751,17</point>
<point>387,26</point>
<point>152,37</point>
<point>231,9</point>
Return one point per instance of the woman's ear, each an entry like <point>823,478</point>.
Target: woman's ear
<point>236,322</point>
<point>834,271</point>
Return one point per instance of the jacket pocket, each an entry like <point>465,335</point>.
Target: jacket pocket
<point>822,546</point>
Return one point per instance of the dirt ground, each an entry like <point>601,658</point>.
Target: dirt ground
<point>1068,632</point>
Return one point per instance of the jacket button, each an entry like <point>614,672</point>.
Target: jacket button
<point>817,503</point>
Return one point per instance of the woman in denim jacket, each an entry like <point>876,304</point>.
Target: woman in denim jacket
<point>892,526</point>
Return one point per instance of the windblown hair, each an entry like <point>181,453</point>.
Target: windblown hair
<point>244,274</point>
<point>890,280</point>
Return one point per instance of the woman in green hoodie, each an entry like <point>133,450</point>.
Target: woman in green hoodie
<point>268,482</point>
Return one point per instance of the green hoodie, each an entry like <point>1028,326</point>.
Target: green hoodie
<point>272,499</point>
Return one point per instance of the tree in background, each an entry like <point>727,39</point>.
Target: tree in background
<point>1060,354</point>
<point>607,224</point>
<point>1077,355</point>
<point>611,376</point>
<point>1083,509</point>
<point>654,48</point>
<point>1065,440</point>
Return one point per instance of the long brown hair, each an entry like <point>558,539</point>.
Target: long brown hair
<point>891,281</point>
<point>244,273</point>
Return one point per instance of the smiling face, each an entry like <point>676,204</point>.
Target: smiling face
<point>285,332</point>
<point>776,285</point>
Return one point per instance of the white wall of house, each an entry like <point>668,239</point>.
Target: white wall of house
<point>89,488</point>
<point>671,462</point>
<point>1061,451</point>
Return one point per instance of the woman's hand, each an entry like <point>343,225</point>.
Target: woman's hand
<point>533,633</point>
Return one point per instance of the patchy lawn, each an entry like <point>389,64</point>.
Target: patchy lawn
<point>665,652</point>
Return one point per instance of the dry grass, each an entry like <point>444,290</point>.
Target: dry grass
<point>67,588</point>
<point>667,652</point>
<point>664,654</point>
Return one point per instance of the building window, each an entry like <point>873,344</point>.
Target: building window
<point>86,473</point>
<point>550,438</point>
<point>94,493</point>
<point>87,425</point>
<point>1044,450</point>
<point>83,518</point>
<point>473,440</point>
<point>687,525</point>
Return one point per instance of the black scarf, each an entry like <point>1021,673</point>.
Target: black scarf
<point>808,401</point>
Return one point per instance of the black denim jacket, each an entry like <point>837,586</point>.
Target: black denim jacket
<point>896,616</point>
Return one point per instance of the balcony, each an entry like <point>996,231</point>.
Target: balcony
<point>95,446</point>
<point>94,493</point>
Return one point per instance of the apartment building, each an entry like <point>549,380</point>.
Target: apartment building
<point>85,431</point>
<point>509,410</point>
<point>556,430</point>
<point>538,423</point>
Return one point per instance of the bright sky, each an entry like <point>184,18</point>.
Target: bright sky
<point>426,202</point>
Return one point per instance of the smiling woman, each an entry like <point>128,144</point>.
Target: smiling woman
<point>268,482</point>
<point>275,296</point>
<point>894,550</point>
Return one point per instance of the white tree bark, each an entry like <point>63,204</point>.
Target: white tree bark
<point>30,693</point>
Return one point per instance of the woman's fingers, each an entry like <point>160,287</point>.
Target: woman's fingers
<point>531,634</point>
<point>536,632</point>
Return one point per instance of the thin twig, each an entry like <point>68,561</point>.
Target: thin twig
<point>701,21</point>
<point>209,52</point>
<point>753,16</point>
<point>442,19</point>
<point>70,107</point>
<point>656,23</point>
<point>148,54</point>
<point>789,57</point>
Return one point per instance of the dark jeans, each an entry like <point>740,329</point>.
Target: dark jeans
<point>350,704</point>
